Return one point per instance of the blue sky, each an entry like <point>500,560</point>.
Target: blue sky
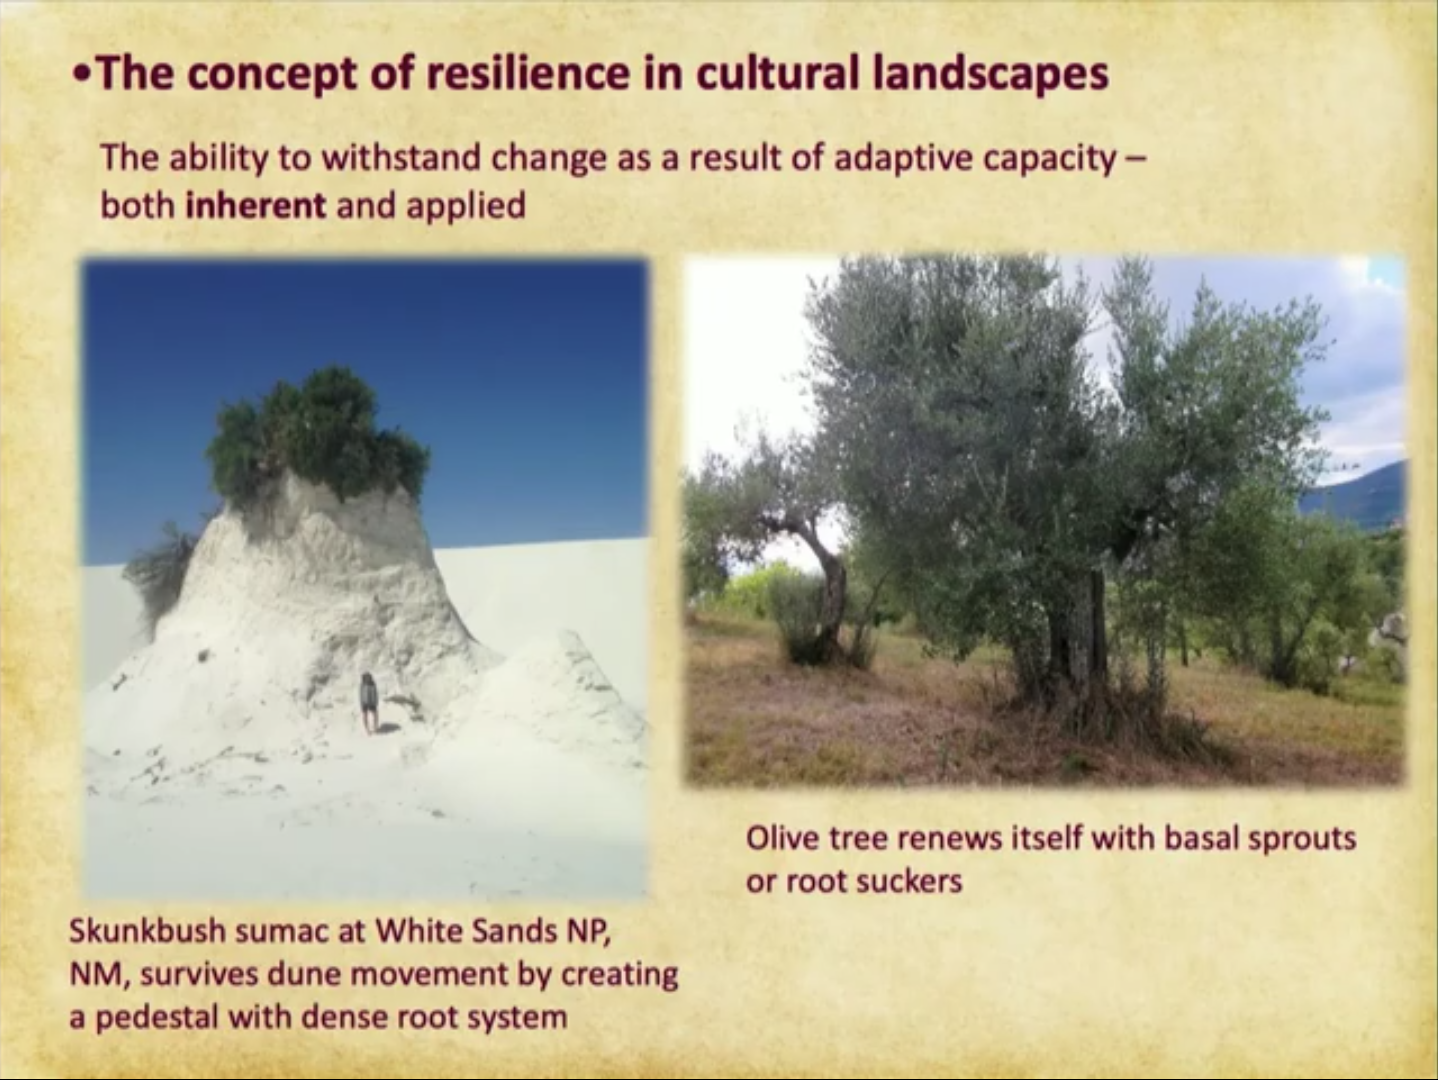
<point>528,381</point>
<point>748,369</point>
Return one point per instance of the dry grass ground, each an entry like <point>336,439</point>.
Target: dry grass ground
<point>755,721</point>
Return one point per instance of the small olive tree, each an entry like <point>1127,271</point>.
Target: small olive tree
<point>774,488</point>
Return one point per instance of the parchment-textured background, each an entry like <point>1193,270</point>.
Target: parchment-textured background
<point>1305,128</point>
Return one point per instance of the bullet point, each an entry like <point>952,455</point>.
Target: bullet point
<point>82,72</point>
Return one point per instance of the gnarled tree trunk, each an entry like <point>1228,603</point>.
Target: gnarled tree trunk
<point>831,613</point>
<point>1098,628</point>
<point>828,647</point>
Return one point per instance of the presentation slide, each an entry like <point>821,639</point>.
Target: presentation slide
<point>711,539</point>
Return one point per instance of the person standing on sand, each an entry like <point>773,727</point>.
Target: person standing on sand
<point>369,703</point>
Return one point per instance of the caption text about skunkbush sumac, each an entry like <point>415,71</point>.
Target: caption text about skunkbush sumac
<point>293,974</point>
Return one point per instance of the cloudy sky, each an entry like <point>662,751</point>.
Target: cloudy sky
<point>746,341</point>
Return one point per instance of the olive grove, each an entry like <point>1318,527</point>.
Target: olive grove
<point>1083,512</point>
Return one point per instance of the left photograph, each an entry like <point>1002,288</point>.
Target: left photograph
<point>365,582</point>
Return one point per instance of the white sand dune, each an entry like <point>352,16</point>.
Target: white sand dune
<point>507,595</point>
<point>226,760</point>
<point>597,589</point>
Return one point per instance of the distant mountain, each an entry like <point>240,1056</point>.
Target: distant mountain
<point>1372,501</point>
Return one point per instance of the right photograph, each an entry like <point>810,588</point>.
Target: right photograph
<point>1038,520</point>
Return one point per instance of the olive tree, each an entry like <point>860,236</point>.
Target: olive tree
<point>735,507</point>
<point>1005,481</point>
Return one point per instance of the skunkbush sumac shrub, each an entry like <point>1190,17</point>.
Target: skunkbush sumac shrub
<point>323,431</point>
<point>158,574</point>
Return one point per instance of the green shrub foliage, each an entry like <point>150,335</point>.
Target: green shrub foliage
<point>323,431</point>
<point>794,600</point>
<point>158,573</point>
